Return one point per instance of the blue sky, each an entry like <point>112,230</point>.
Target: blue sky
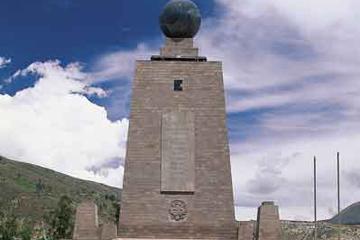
<point>291,79</point>
<point>77,31</point>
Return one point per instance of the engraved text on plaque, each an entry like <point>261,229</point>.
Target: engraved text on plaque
<point>177,153</point>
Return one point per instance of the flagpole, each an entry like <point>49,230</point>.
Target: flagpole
<point>338,192</point>
<point>338,181</point>
<point>315,202</point>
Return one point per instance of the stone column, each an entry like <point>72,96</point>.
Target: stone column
<point>108,231</point>
<point>86,222</point>
<point>177,179</point>
<point>246,230</point>
<point>268,222</point>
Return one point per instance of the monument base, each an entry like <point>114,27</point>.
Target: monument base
<point>268,222</point>
<point>160,239</point>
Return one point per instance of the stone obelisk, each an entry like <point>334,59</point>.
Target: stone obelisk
<point>177,182</point>
<point>86,222</point>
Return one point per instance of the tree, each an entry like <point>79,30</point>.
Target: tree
<point>62,219</point>
<point>116,206</point>
<point>39,187</point>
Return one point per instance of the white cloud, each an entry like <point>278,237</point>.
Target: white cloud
<point>120,64</point>
<point>291,184</point>
<point>297,64</point>
<point>4,62</point>
<point>54,125</point>
<point>306,14</point>
<point>293,66</point>
<point>283,43</point>
<point>294,62</point>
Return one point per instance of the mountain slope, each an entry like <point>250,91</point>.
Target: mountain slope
<point>292,230</point>
<point>33,191</point>
<point>348,216</point>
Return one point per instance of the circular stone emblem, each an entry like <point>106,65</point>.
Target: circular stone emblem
<point>180,19</point>
<point>177,210</point>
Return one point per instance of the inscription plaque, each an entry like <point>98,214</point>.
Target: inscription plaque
<point>177,153</point>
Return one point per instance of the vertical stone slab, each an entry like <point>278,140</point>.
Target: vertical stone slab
<point>108,231</point>
<point>246,230</point>
<point>268,222</point>
<point>86,222</point>
<point>177,152</point>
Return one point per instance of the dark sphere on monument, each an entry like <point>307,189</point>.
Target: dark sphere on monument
<point>180,19</point>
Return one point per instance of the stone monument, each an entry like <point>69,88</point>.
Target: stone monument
<point>246,230</point>
<point>87,225</point>
<point>268,222</point>
<point>108,231</point>
<point>177,180</point>
<point>86,222</point>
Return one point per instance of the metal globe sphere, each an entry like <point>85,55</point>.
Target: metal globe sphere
<point>180,19</point>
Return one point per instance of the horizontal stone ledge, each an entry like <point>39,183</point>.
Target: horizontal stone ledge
<point>179,59</point>
<point>163,239</point>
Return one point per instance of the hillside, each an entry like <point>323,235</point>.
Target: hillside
<point>326,231</point>
<point>349,216</point>
<point>32,191</point>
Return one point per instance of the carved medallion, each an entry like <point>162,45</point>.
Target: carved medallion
<point>177,210</point>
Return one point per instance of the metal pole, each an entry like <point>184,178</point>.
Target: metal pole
<point>315,202</point>
<point>338,181</point>
<point>338,192</point>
